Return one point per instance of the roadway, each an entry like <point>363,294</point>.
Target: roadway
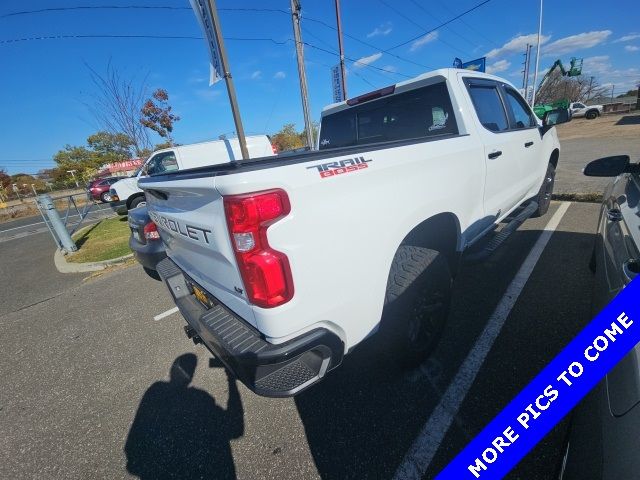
<point>23,227</point>
<point>85,366</point>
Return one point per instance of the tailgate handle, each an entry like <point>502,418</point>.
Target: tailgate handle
<point>158,194</point>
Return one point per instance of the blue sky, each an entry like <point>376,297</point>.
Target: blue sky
<point>45,85</point>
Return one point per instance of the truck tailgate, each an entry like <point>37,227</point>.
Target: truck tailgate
<point>190,217</point>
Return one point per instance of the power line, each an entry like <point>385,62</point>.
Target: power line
<point>355,61</point>
<point>154,37</point>
<point>404,59</point>
<point>475,7</point>
<point>439,20</point>
<point>410,20</point>
<point>133,7</point>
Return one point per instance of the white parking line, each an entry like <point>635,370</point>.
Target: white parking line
<point>425,446</point>
<point>162,315</point>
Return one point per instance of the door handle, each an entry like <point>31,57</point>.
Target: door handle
<point>528,144</point>
<point>496,154</point>
<point>630,269</point>
<point>614,214</point>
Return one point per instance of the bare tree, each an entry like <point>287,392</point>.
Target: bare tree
<point>116,106</point>
<point>573,89</point>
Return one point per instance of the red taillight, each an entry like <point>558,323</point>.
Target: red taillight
<point>265,272</point>
<point>151,231</point>
<point>274,149</point>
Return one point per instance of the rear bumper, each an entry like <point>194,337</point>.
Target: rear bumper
<point>148,255</point>
<point>270,370</point>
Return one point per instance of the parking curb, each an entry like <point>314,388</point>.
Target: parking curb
<point>63,266</point>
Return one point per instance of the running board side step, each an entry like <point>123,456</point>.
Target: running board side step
<point>486,247</point>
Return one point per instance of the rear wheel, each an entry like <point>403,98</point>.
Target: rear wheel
<point>591,114</point>
<point>137,202</point>
<point>416,304</point>
<point>546,191</point>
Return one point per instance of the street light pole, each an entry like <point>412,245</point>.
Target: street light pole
<point>535,76</point>
<point>231,89</point>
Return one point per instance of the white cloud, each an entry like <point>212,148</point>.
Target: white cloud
<point>390,68</point>
<point>428,38</point>
<point>596,65</point>
<point>580,41</point>
<point>631,48</point>
<point>384,30</point>
<point>279,75</point>
<point>518,45</point>
<point>628,38</point>
<point>257,75</point>
<point>499,66</point>
<point>364,61</point>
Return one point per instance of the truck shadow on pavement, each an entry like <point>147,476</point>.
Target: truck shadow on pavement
<point>180,432</point>
<point>363,417</point>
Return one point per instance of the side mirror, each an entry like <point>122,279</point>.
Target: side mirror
<point>555,117</point>
<point>608,166</point>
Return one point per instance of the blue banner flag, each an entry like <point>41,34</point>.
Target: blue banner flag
<point>477,65</point>
<point>553,393</point>
<point>336,84</point>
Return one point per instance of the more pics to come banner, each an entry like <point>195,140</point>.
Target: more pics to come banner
<point>553,393</point>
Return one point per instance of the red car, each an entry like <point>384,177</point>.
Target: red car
<point>99,188</point>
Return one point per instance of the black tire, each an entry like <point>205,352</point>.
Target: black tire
<point>103,197</point>
<point>546,191</point>
<point>136,202</point>
<point>416,304</point>
<point>152,273</point>
<point>591,114</point>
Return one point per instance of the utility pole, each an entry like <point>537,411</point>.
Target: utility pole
<point>231,89</point>
<point>535,76</point>
<point>590,86</point>
<point>343,72</point>
<point>73,174</point>
<point>612,87</point>
<point>295,16</point>
<point>527,61</point>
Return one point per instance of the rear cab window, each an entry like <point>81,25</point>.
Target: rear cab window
<point>420,113</point>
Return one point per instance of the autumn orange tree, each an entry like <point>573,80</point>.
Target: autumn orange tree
<point>156,114</point>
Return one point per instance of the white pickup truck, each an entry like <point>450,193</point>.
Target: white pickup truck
<point>181,157</point>
<point>590,112</point>
<point>283,265</point>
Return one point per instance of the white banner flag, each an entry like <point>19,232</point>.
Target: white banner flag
<point>205,19</point>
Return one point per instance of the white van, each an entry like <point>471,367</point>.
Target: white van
<point>126,191</point>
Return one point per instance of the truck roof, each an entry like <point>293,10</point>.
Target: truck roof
<point>427,78</point>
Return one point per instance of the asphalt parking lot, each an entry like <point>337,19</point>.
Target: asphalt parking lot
<point>86,381</point>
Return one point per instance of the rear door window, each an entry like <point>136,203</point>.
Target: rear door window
<point>522,116</point>
<point>488,104</point>
<point>420,113</point>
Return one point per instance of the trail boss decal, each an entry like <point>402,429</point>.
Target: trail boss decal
<point>343,166</point>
